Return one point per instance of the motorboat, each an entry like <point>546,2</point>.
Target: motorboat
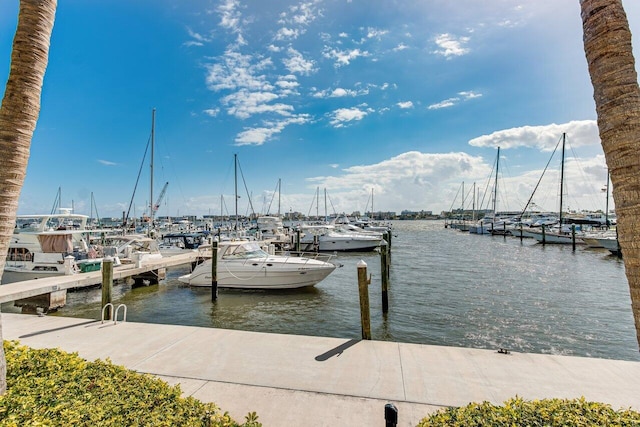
<point>175,243</point>
<point>243,264</point>
<point>50,245</point>
<point>326,238</point>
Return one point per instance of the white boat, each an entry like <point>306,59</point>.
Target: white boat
<point>49,245</point>
<point>243,264</point>
<point>326,238</point>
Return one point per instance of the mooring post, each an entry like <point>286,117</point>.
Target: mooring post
<point>384,272</point>
<point>363,288</point>
<point>214,271</point>
<point>107,284</point>
<point>390,415</point>
<point>388,239</point>
<point>544,237</point>
<point>520,233</point>
<point>573,236</point>
<point>298,239</point>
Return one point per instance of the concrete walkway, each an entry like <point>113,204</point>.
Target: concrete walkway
<point>294,380</point>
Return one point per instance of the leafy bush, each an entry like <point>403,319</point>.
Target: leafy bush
<point>51,387</point>
<point>546,412</point>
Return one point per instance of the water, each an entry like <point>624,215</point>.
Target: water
<point>446,288</point>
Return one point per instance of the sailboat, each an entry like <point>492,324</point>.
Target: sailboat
<point>557,235</point>
<point>489,223</point>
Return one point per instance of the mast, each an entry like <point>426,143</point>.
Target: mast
<point>235,180</point>
<point>606,209</point>
<point>279,193</point>
<point>495,188</point>
<point>373,213</point>
<point>473,212</point>
<point>326,217</point>
<point>564,136</point>
<point>153,132</point>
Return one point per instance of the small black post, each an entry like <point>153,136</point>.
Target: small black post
<point>214,271</point>
<point>390,415</point>
<point>544,237</point>
<point>573,236</point>
<point>298,239</point>
<point>384,273</point>
<point>520,233</point>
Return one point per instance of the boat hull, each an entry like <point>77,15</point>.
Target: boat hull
<point>261,274</point>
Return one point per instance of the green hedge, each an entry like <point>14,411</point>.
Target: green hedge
<point>51,387</point>
<point>546,412</point>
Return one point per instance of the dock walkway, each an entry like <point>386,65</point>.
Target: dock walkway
<point>30,288</point>
<point>292,380</point>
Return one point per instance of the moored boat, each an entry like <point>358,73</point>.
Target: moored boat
<point>244,264</point>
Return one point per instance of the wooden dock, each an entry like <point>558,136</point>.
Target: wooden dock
<point>56,287</point>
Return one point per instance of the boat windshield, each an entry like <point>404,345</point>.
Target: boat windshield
<point>245,250</point>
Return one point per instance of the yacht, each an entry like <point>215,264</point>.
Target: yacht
<point>243,264</point>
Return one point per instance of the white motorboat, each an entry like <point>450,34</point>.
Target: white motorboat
<point>329,239</point>
<point>49,245</point>
<point>243,264</point>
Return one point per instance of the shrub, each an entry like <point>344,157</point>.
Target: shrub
<point>546,412</point>
<point>51,387</point>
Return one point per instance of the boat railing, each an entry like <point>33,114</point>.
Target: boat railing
<point>310,255</point>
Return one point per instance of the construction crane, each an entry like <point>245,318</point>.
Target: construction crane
<point>162,193</point>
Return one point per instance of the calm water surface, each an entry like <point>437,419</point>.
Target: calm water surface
<point>446,288</point>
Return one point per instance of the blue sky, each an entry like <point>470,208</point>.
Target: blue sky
<point>405,99</point>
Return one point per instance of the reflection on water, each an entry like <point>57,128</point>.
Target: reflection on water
<point>446,288</point>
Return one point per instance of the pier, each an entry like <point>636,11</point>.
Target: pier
<point>50,292</point>
<point>294,380</point>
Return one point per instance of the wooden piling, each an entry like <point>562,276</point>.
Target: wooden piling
<point>107,285</point>
<point>544,237</point>
<point>298,239</point>
<point>384,272</point>
<point>214,271</point>
<point>573,236</point>
<point>363,289</point>
<point>521,233</point>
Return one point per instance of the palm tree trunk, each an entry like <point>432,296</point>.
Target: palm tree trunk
<point>18,116</point>
<point>607,45</point>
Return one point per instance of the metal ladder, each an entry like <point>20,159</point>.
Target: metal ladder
<point>114,312</point>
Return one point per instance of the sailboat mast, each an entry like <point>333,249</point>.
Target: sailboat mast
<point>473,214</point>
<point>235,180</point>
<point>606,209</point>
<point>373,213</point>
<point>153,131</point>
<point>495,187</point>
<point>564,135</point>
<point>279,193</point>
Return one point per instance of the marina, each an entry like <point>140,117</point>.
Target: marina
<point>446,288</point>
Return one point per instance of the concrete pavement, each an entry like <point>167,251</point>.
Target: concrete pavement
<point>292,380</point>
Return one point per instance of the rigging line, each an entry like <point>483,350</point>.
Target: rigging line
<point>271,201</point>
<point>126,218</point>
<point>315,198</point>
<point>486,188</point>
<point>540,179</point>
<point>246,189</point>
<point>454,200</point>
<point>331,202</point>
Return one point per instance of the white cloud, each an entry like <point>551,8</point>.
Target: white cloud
<point>260,135</point>
<point>444,104</point>
<point>400,47</point>
<point>344,57</point>
<point>297,64</point>
<point>450,46</point>
<point>229,15</point>
<point>375,33</point>
<point>107,163</point>
<point>244,104</point>
<point>287,33</point>
<point>405,104</point>
<point>469,94</point>
<point>342,116</point>
<point>212,112</point>
<point>545,138</point>
<point>237,71</point>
